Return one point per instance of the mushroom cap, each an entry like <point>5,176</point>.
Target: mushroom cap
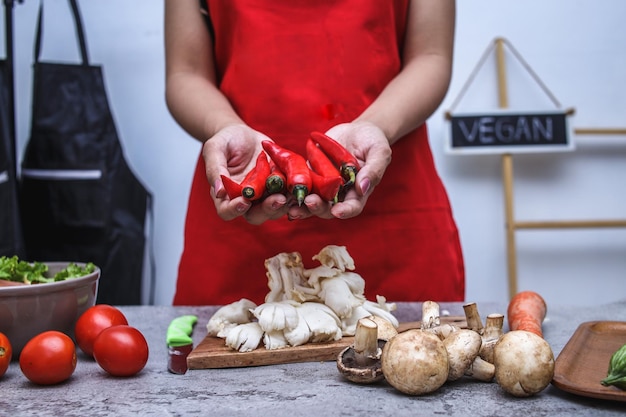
<point>524,363</point>
<point>462,347</point>
<point>348,367</point>
<point>386,330</point>
<point>415,362</point>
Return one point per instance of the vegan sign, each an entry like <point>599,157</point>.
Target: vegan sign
<point>508,132</point>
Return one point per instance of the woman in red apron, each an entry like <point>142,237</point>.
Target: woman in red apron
<point>369,74</point>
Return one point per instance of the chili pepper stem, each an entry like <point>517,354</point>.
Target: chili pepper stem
<point>274,184</point>
<point>349,172</point>
<point>248,192</point>
<point>300,192</point>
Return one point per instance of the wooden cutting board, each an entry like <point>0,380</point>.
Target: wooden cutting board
<point>213,353</point>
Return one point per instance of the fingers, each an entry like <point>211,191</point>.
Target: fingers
<point>271,208</point>
<point>315,206</point>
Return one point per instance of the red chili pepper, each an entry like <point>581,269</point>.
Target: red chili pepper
<point>253,185</point>
<point>343,159</point>
<point>275,182</point>
<point>318,160</point>
<point>232,188</point>
<point>326,187</point>
<point>294,166</point>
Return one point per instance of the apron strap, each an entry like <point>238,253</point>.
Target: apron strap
<point>79,32</point>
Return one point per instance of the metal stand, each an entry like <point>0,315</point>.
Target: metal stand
<point>8,36</point>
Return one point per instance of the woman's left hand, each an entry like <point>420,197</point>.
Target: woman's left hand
<point>369,145</point>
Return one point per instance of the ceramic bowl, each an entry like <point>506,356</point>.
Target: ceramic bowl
<point>27,310</point>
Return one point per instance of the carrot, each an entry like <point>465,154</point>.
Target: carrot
<point>526,311</point>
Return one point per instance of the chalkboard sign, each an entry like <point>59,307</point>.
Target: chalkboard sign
<point>505,131</point>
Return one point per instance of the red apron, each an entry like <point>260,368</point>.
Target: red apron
<point>290,67</point>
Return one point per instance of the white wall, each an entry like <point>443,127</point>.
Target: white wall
<point>577,48</point>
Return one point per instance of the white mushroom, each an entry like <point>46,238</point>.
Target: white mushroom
<point>335,256</point>
<point>382,308</point>
<point>300,334</point>
<point>277,315</point>
<point>230,315</point>
<point>284,273</point>
<point>524,363</point>
<point>336,294</point>
<point>244,337</point>
<point>415,362</point>
<point>323,323</point>
<point>349,324</point>
<point>274,339</point>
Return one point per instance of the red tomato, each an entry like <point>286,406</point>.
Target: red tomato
<point>121,350</point>
<point>93,321</point>
<point>48,358</point>
<point>6,351</point>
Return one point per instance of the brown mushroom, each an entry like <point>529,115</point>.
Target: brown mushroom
<point>463,347</point>
<point>386,330</point>
<point>415,362</point>
<point>524,363</point>
<point>361,361</point>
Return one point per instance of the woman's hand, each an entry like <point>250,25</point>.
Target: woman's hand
<point>232,152</point>
<point>370,146</point>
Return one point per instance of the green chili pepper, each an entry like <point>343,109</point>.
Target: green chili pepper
<point>617,370</point>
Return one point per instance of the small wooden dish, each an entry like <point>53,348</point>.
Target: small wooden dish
<point>584,361</point>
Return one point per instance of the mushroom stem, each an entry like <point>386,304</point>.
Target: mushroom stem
<point>481,369</point>
<point>493,326</point>
<point>473,318</point>
<point>430,314</point>
<point>491,335</point>
<point>366,342</point>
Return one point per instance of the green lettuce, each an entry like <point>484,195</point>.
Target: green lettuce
<point>14,269</point>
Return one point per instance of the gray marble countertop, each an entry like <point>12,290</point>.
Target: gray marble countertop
<point>301,389</point>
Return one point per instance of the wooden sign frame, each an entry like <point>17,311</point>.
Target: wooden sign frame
<point>511,224</point>
<point>505,131</point>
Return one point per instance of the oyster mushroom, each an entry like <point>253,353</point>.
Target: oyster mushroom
<point>229,316</point>
<point>245,337</point>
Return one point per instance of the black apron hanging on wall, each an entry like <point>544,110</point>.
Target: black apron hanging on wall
<point>11,241</point>
<point>80,200</point>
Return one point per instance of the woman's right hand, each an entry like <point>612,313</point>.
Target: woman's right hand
<point>232,152</point>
